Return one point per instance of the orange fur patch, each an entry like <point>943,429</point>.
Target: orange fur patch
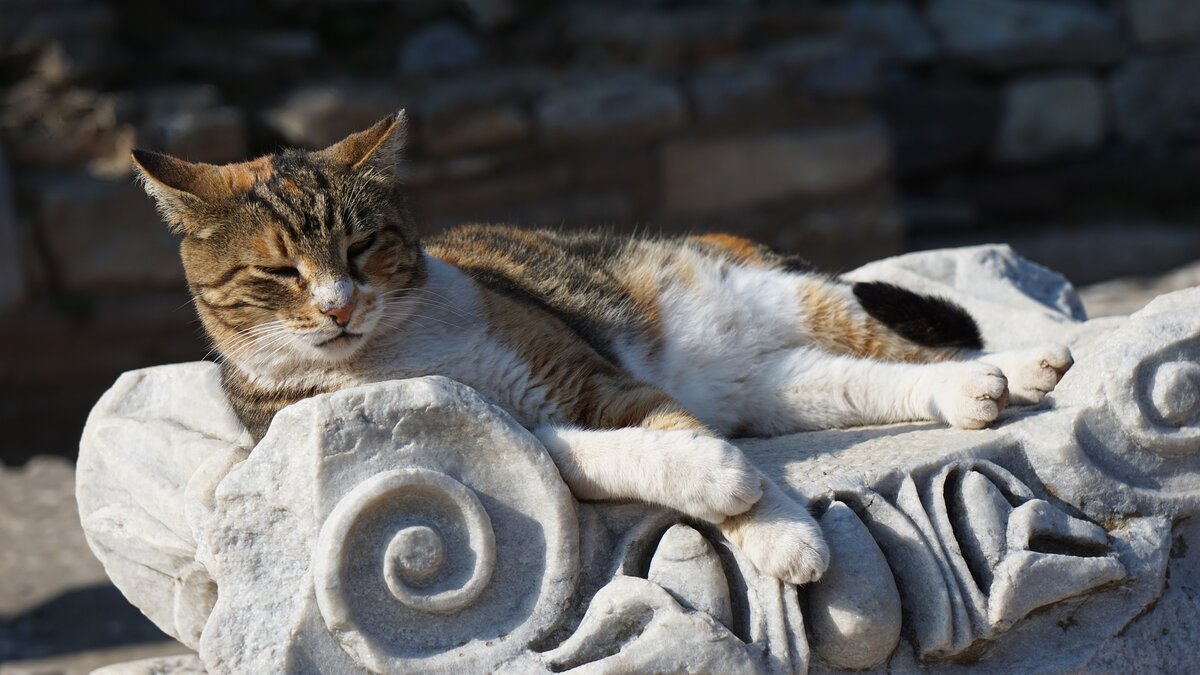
<point>838,327</point>
<point>742,250</point>
<point>641,283</point>
<point>241,177</point>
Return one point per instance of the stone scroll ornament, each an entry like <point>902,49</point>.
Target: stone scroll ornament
<point>411,526</point>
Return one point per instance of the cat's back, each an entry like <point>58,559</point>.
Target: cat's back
<point>602,285</point>
<point>575,276</point>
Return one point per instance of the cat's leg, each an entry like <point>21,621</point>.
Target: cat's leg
<point>928,329</point>
<point>780,537</point>
<point>700,475</point>
<point>1032,373</point>
<point>885,322</point>
<point>804,389</point>
<point>671,459</point>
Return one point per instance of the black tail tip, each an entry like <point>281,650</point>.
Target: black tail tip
<point>925,320</point>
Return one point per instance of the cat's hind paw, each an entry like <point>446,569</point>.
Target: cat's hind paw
<point>780,538</point>
<point>970,395</point>
<point>1032,373</point>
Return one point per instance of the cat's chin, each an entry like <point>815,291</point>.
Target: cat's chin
<point>339,347</point>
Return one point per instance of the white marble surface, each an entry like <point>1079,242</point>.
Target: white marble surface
<point>412,526</point>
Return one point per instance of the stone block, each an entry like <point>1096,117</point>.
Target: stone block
<point>214,135</point>
<point>727,89</point>
<point>1004,35</point>
<point>1051,117</point>
<point>174,98</point>
<point>1164,24</point>
<point>12,272</point>
<point>654,36</point>
<point>106,233</point>
<point>724,174</point>
<point>575,210</point>
<point>853,75</point>
<point>1156,99</point>
<point>938,125</point>
<point>56,127</point>
<point>455,201</point>
<point>843,237</point>
<point>477,130</point>
<point>322,114</point>
<point>438,48</point>
<point>626,108</point>
<point>802,54</point>
<point>633,175</point>
<point>65,42</point>
<point>463,94</point>
<point>282,47</point>
<point>490,15</point>
<point>891,28</point>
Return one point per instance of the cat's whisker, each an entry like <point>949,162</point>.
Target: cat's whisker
<point>276,350</point>
<point>255,342</point>
<point>275,344</point>
<point>423,303</point>
<point>246,341</point>
<point>190,301</point>
<point>420,295</point>
<point>396,310</point>
<point>260,328</point>
<point>428,301</point>
<point>259,346</point>
<point>448,300</point>
<point>416,317</point>
<point>429,305</point>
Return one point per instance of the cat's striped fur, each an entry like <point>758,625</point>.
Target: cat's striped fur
<point>631,359</point>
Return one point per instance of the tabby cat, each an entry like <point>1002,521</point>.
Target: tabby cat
<point>630,359</point>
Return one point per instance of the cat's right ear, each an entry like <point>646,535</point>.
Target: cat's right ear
<point>169,182</point>
<point>184,190</point>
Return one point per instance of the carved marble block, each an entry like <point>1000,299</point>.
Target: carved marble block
<point>411,526</point>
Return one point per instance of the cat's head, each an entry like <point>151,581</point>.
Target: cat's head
<point>294,256</point>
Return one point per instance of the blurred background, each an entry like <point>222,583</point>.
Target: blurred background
<point>841,131</point>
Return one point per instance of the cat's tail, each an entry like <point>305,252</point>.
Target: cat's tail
<point>925,320</point>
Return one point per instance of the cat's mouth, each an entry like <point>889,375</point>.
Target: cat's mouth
<point>341,340</point>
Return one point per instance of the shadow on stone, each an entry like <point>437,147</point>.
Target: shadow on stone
<point>95,617</point>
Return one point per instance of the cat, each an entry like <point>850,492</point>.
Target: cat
<point>630,359</point>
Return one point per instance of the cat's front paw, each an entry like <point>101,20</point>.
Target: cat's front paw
<point>970,395</point>
<point>1032,373</point>
<point>780,538</point>
<point>710,479</point>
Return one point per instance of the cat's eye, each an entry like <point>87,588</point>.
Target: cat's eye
<point>358,247</point>
<point>284,272</point>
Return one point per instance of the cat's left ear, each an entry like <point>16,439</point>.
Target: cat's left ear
<point>379,148</point>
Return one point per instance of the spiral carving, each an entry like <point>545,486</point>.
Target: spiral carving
<point>440,549</point>
<point>414,528</point>
<point>1174,393</point>
<point>1158,402</point>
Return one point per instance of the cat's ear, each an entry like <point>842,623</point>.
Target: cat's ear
<point>182,189</point>
<point>379,148</point>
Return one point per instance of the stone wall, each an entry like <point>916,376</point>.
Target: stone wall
<point>845,132</point>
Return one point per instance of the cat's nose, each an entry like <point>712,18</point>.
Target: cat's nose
<point>341,315</point>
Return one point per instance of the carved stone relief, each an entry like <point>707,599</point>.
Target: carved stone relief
<point>411,526</point>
